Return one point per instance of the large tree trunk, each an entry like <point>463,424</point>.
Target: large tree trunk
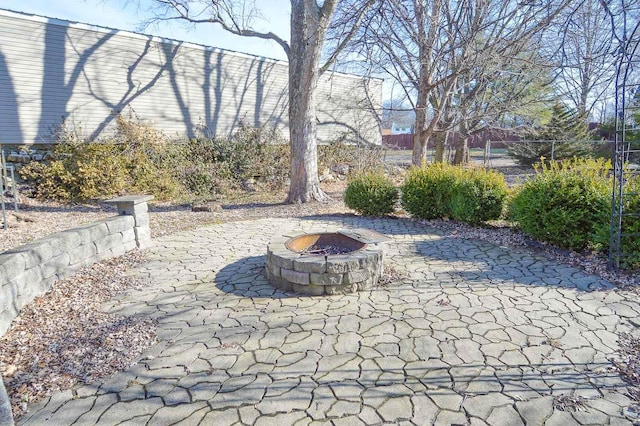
<point>426,40</point>
<point>308,28</point>
<point>461,155</point>
<point>420,135</point>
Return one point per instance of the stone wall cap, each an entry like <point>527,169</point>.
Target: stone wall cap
<point>135,199</point>
<point>366,236</point>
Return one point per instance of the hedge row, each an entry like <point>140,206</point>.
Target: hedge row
<point>471,195</point>
<point>566,203</point>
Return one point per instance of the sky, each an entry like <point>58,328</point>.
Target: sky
<point>130,14</point>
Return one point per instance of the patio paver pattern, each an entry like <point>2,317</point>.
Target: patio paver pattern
<point>472,334</point>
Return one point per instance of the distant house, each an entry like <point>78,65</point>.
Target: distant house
<point>401,129</point>
<point>53,70</point>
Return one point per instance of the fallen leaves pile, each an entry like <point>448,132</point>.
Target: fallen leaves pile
<point>628,363</point>
<point>390,275</point>
<point>63,338</point>
<point>569,402</point>
<point>37,219</point>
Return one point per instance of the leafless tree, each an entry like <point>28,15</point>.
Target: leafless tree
<point>584,56</point>
<point>506,88</point>
<point>396,110</point>
<point>446,53</point>
<point>310,20</point>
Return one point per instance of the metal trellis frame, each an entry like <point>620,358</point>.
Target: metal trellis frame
<point>627,108</point>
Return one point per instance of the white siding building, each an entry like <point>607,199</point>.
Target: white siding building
<point>52,70</point>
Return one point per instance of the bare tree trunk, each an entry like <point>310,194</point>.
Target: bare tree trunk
<point>440,142</point>
<point>420,135</point>
<point>309,25</point>
<point>425,47</point>
<point>461,155</point>
<point>310,21</point>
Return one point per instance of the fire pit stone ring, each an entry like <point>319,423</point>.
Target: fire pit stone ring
<point>316,264</point>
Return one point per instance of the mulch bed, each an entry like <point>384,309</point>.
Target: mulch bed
<point>63,338</point>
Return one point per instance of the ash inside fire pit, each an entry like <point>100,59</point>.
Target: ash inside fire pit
<point>324,244</point>
<point>325,250</point>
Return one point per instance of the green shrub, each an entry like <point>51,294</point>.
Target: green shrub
<point>223,164</point>
<point>565,203</point>
<point>630,242</point>
<point>48,181</point>
<point>149,156</point>
<point>78,172</point>
<point>427,191</point>
<point>371,194</point>
<point>478,195</point>
<point>205,181</point>
<point>471,195</point>
<point>139,158</point>
<point>205,150</point>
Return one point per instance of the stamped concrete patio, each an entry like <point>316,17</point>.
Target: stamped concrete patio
<point>473,334</point>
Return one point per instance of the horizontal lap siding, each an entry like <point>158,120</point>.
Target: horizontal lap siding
<point>345,108</point>
<point>49,70</point>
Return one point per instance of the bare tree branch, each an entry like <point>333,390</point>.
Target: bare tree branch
<point>223,13</point>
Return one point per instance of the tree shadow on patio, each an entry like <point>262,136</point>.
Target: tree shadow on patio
<point>246,278</point>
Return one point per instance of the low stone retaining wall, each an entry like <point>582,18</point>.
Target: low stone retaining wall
<point>6,417</point>
<point>29,271</point>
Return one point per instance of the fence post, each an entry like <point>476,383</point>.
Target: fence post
<point>487,152</point>
<point>14,189</point>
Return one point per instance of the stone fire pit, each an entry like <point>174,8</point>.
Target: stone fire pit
<point>314,264</point>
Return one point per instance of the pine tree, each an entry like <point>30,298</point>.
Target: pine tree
<point>567,127</point>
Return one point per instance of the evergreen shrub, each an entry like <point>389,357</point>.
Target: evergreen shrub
<point>371,194</point>
<point>478,196</point>
<point>630,243</point>
<point>565,136</point>
<point>471,195</point>
<point>427,191</point>
<point>630,238</point>
<point>566,203</point>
